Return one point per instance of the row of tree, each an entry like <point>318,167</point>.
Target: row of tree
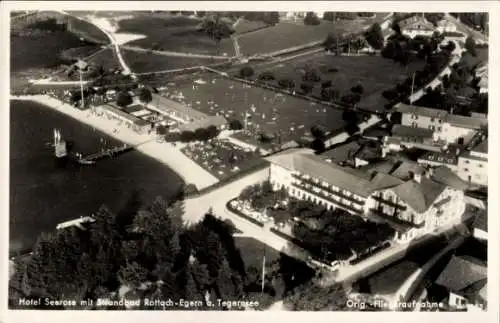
<point>201,134</point>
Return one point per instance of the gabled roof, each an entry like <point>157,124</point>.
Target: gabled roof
<point>416,22</point>
<point>466,122</point>
<point>462,272</point>
<point>446,176</point>
<point>419,196</point>
<point>411,132</point>
<point>481,222</point>
<point>421,111</point>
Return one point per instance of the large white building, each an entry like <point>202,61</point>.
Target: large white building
<point>446,127</point>
<point>415,200</point>
<point>416,26</point>
<point>473,164</point>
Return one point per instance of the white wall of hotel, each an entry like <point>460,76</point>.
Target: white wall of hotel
<point>413,32</point>
<point>449,204</point>
<point>473,168</point>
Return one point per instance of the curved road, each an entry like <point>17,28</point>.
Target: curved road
<point>125,67</point>
<point>195,208</point>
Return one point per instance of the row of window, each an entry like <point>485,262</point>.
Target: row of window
<point>415,117</point>
<point>480,165</point>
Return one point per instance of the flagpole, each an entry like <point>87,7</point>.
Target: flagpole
<point>412,85</point>
<point>263,272</point>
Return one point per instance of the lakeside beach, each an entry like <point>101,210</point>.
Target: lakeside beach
<point>163,152</point>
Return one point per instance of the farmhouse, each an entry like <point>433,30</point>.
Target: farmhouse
<point>465,278</point>
<point>416,26</point>
<point>418,202</point>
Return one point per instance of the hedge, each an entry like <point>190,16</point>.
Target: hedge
<point>239,213</point>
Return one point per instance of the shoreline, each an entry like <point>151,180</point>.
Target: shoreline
<point>165,153</point>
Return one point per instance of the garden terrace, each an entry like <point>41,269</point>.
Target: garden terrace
<point>144,62</point>
<point>374,73</point>
<point>269,112</point>
<point>173,33</point>
<point>221,158</point>
<point>292,34</point>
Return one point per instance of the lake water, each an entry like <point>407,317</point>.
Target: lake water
<point>43,193</point>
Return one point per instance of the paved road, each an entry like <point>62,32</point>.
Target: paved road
<point>195,208</point>
<point>466,29</point>
<point>126,69</point>
<point>173,54</point>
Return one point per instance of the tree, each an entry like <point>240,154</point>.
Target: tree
<point>332,42</point>
<point>434,17</point>
<point>375,37</point>
<point>329,16</point>
<point>235,124</point>
<point>318,145</point>
<point>306,87</point>
<point>311,19</point>
<point>312,297</point>
<point>145,95</point>
<point>215,28</point>
<point>470,45</point>
<point>200,14</point>
<point>311,75</point>
<point>271,18</point>
<point>357,89</point>
<point>123,99</point>
<point>246,72</point>
<point>133,274</point>
<point>330,94</point>
<point>325,84</point>
<point>286,83</point>
<point>266,76</point>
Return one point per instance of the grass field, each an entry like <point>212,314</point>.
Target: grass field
<point>173,34</point>
<point>252,252</point>
<point>374,73</point>
<point>41,51</point>
<point>290,34</point>
<point>271,113</point>
<point>89,31</point>
<point>141,62</point>
<point>80,52</point>
<point>244,26</point>
<point>106,58</point>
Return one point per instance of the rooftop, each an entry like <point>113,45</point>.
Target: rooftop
<point>421,111</point>
<point>481,221</point>
<point>420,196</point>
<point>111,107</point>
<point>416,22</point>
<point>466,122</point>
<point>482,147</point>
<point>447,157</point>
<point>464,275</point>
<point>348,151</point>
<point>411,132</point>
<point>446,176</point>
<point>168,105</point>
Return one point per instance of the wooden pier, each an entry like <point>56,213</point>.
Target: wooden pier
<point>109,152</point>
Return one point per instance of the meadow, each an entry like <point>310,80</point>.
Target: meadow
<point>173,33</point>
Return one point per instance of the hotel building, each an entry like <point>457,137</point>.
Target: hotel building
<point>416,201</point>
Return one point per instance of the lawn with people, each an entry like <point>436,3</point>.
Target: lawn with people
<point>271,116</point>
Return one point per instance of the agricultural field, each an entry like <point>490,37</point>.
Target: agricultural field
<point>269,112</point>
<point>80,52</point>
<point>41,51</point>
<point>173,33</point>
<point>89,31</point>
<point>106,58</point>
<point>292,34</point>
<point>144,62</point>
<point>244,26</point>
<point>374,73</point>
